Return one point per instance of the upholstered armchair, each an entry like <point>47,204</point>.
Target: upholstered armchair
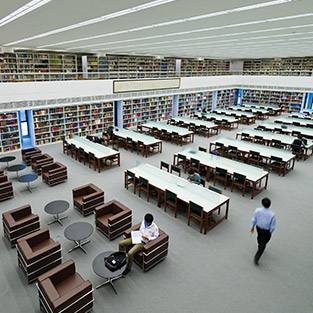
<point>86,198</point>
<point>6,188</point>
<point>37,253</point>
<point>39,161</point>
<point>62,289</point>
<point>113,218</point>
<point>54,173</point>
<point>28,153</point>
<point>19,222</point>
<point>153,252</point>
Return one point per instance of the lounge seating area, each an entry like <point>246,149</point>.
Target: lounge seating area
<point>27,154</point>
<point>6,188</point>
<point>54,173</point>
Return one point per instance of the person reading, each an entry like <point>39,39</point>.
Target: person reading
<point>149,231</point>
<point>194,177</point>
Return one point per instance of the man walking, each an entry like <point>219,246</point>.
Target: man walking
<point>265,221</point>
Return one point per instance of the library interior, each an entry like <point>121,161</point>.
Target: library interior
<point>140,142</point>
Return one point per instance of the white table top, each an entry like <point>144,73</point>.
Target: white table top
<point>237,108</point>
<point>251,172</point>
<point>124,133</point>
<point>197,122</point>
<point>185,191</point>
<point>303,130</point>
<point>169,128</point>
<point>239,113</point>
<point>290,120</point>
<point>219,117</point>
<point>262,106</point>
<point>269,136</point>
<point>300,115</point>
<point>98,150</point>
<point>264,150</point>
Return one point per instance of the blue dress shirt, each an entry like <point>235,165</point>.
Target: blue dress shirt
<point>264,218</point>
<point>195,178</point>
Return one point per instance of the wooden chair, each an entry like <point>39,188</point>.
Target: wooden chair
<point>202,181</point>
<point>254,157</point>
<point>164,165</point>
<point>275,143</point>
<point>92,160</point>
<point>245,137</point>
<point>258,140</point>
<point>220,174</point>
<point>277,163</point>
<point>130,179</point>
<point>175,169</point>
<point>297,150</point>
<point>212,188</point>
<point>82,155</point>
<point>232,152</point>
<point>170,198</point>
<point>219,148</point>
<point>129,144</point>
<point>278,130</point>
<point>239,181</point>
<point>203,131</point>
<point>195,211</point>
<point>141,147</point>
<point>175,138</point>
<point>65,146</point>
<point>164,135</point>
<point>194,165</point>
<point>295,133</point>
<point>182,161</point>
<point>203,149</point>
<point>73,151</point>
<point>144,186</point>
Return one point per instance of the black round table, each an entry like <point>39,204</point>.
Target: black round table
<point>78,232</point>
<point>16,168</point>
<point>27,179</point>
<point>55,208</point>
<point>101,270</point>
<point>7,159</point>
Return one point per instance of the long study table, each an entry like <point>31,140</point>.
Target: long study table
<point>260,113</point>
<point>274,110</point>
<point>266,152</point>
<point>288,129</point>
<point>253,174</point>
<point>184,136</point>
<point>294,121</point>
<point>161,180</point>
<point>245,117</point>
<point>230,121</point>
<point>102,153</point>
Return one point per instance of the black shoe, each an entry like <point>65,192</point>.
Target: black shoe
<point>126,272</point>
<point>256,261</point>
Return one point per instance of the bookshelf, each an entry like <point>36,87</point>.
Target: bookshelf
<point>54,124</point>
<point>138,111</point>
<point>8,65</point>
<point>226,97</point>
<point>288,101</point>
<point>10,134</point>
<point>189,103</point>
<point>201,68</point>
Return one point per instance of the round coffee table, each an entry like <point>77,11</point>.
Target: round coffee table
<point>101,270</point>
<point>27,179</point>
<point>56,208</point>
<point>16,168</point>
<point>7,159</point>
<point>78,232</point>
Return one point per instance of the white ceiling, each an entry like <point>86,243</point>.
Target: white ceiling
<point>261,32</point>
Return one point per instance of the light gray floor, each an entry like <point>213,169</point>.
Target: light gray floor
<point>212,273</point>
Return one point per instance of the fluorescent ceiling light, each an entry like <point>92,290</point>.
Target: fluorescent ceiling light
<point>250,7</point>
<point>30,6</point>
<point>95,20</point>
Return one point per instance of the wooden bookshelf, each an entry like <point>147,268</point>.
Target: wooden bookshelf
<point>10,134</point>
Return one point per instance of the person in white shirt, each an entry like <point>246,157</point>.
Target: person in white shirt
<point>149,231</point>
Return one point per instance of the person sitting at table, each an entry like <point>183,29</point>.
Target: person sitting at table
<point>300,141</point>
<point>149,231</point>
<point>194,177</point>
<point>108,134</point>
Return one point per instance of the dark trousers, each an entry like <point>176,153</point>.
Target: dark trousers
<point>264,237</point>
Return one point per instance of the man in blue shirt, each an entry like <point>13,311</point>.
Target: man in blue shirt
<point>194,177</point>
<point>265,221</point>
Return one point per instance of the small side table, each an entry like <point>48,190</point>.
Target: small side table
<point>27,179</point>
<point>101,270</point>
<point>7,159</point>
<point>78,232</point>
<point>16,168</point>
<point>55,208</point>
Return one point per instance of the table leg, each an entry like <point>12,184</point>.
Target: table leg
<point>110,281</point>
<point>58,219</point>
<point>79,245</point>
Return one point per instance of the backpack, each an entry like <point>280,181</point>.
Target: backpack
<point>115,261</point>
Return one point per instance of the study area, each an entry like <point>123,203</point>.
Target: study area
<point>137,139</point>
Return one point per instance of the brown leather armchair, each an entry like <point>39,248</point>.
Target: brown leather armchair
<point>6,188</point>
<point>19,222</point>
<point>87,197</point>
<point>1,172</point>
<point>113,218</point>
<point>153,252</point>
<point>62,289</point>
<point>40,160</point>
<point>37,253</point>
<point>54,173</point>
<point>28,153</point>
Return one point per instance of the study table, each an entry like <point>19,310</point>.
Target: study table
<point>253,174</point>
<point>294,121</point>
<point>305,116</point>
<point>260,113</point>
<point>245,117</point>
<point>210,128</point>
<point>229,122</point>
<point>266,152</point>
<point>185,191</point>
<point>273,109</point>
<point>184,136</point>
<point>102,153</point>
<point>151,145</point>
<point>269,136</point>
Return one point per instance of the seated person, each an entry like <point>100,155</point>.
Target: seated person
<point>204,110</point>
<point>194,177</point>
<point>108,134</point>
<point>300,141</point>
<point>149,231</point>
